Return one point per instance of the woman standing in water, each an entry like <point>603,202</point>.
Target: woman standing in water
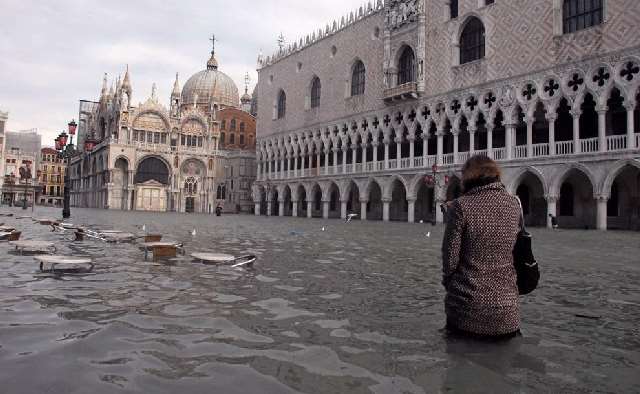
<point>478,271</point>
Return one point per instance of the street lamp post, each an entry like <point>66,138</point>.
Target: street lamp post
<point>437,182</point>
<point>66,150</point>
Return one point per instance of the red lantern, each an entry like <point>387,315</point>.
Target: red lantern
<point>63,139</point>
<point>72,127</point>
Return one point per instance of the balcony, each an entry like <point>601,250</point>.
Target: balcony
<point>520,153</point>
<point>407,91</point>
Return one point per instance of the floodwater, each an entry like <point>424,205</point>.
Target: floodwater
<point>356,308</point>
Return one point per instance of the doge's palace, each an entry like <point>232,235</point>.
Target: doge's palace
<point>374,114</point>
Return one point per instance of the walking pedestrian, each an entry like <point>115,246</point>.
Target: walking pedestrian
<point>554,221</point>
<point>478,271</point>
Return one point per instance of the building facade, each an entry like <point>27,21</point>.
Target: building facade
<point>152,158</point>
<point>354,117</point>
<point>4,117</point>
<point>21,160</point>
<point>51,178</point>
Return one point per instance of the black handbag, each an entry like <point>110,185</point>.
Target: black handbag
<point>527,269</point>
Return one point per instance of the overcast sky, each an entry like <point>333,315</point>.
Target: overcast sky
<point>54,53</point>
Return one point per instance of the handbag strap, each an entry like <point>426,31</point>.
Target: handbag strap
<point>522,225</point>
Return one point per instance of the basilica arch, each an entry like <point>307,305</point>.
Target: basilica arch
<point>152,183</point>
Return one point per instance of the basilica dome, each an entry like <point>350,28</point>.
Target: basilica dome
<point>211,86</point>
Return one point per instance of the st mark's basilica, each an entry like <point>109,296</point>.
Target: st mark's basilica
<point>192,157</point>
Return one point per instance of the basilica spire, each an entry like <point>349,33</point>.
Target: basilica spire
<point>176,88</point>
<point>103,92</point>
<point>212,64</point>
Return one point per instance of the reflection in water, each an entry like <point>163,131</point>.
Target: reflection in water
<point>353,309</point>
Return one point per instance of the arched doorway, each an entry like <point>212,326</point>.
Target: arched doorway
<point>263,202</point>
<point>302,201</point>
<point>398,208</point>
<point>353,199</point>
<point>576,205</point>
<point>275,204</point>
<point>316,199</point>
<point>530,191</point>
<point>152,182</point>
<point>120,196</point>
<point>424,211</point>
<point>288,204</point>
<point>623,207</point>
<point>334,201</point>
<point>374,206</point>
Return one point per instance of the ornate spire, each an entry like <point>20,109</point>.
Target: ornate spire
<point>126,83</point>
<point>212,64</point>
<point>103,92</point>
<point>153,92</point>
<point>176,88</point>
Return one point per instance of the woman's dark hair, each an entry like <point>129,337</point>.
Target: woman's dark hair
<point>479,171</point>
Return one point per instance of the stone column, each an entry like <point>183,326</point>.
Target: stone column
<point>375,153</point>
<point>363,209</point>
<point>318,163</point>
<point>576,131</point>
<point>472,141</point>
<point>335,160</point>
<point>412,210</point>
<point>602,130</point>
<point>364,156</point>
<point>269,207</point>
<point>456,140</point>
<point>425,146</point>
<point>344,160</point>
<point>295,165</point>
<point>309,209</point>
<point>325,209</point>
<point>343,209</point>
<point>490,141</point>
<point>294,212</point>
<point>440,148</point>
<point>281,208</point>
<point>551,209</point>
<point>354,156</point>
<point>551,118</point>
<point>385,209</point>
<point>412,150</point>
<point>601,219</point>
<point>509,130</point>
<point>282,174</point>
<point>386,154</point>
<point>257,209</point>
<point>326,163</point>
<point>631,141</point>
<point>269,169</point>
<point>530,137</point>
<point>399,152</point>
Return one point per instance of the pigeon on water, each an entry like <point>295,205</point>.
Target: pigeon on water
<point>144,227</point>
<point>323,229</point>
<point>428,235</point>
<point>193,232</point>
<point>422,222</point>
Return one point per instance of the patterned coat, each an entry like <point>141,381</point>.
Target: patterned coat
<point>478,272</point>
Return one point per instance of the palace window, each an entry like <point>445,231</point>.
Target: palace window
<point>233,125</point>
<point>242,127</point>
<point>487,2</point>
<point>358,79</point>
<point>315,92</point>
<point>241,139</point>
<point>453,8</point>
<point>472,41</point>
<point>232,139</point>
<point>282,104</point>
<point>407,66</point>
<point>221,139</point>
<point>223,125</point>
<point>581,14</point>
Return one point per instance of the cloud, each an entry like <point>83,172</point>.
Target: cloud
<point>56,53</point>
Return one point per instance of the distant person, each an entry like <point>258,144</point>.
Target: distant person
<point>554,221</point>
<point>477,260</point>
<point>218,210</point>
